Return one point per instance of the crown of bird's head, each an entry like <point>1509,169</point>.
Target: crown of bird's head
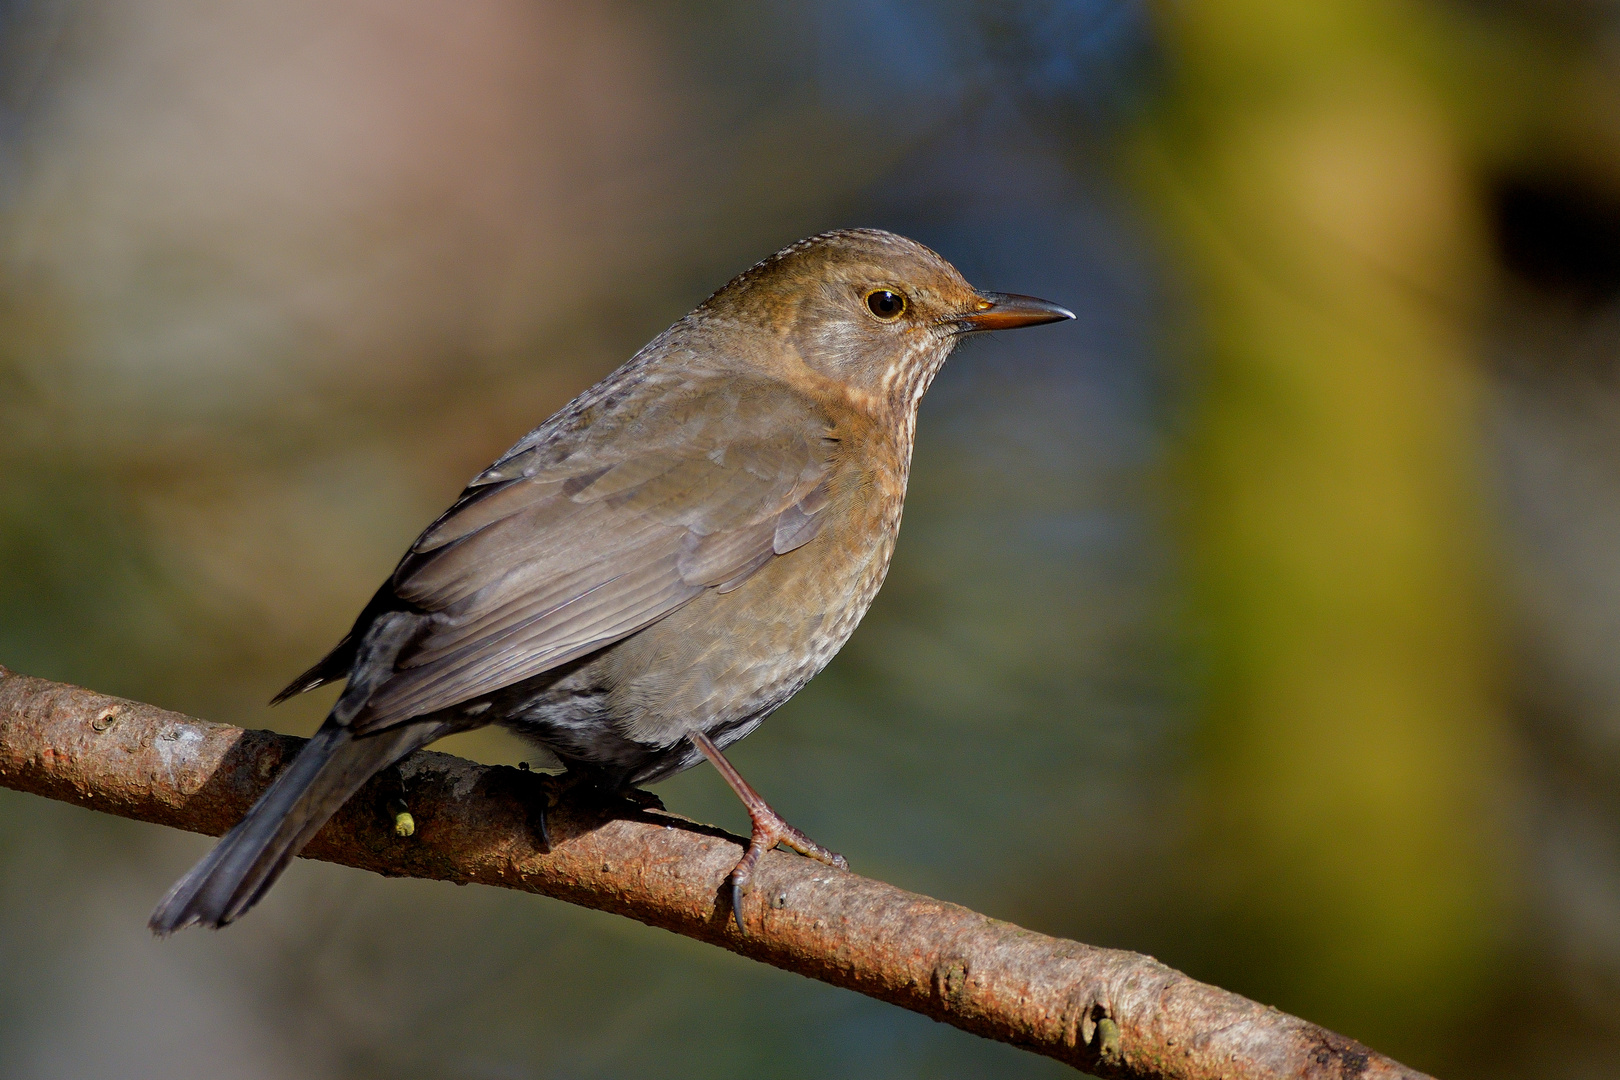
<point>869,308</point>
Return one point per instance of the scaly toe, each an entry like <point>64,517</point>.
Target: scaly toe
<point>812,850</point>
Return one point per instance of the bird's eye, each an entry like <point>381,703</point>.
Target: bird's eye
<point>886,304</point>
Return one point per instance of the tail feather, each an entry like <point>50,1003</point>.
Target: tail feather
<point>247,860</point>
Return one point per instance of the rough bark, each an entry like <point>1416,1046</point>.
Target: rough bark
<point>1111,1013</point>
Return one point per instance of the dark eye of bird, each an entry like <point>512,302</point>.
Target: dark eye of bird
<point>886,304</point>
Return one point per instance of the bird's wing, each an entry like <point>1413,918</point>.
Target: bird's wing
<point>600,529</point>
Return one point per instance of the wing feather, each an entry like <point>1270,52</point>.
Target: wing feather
<point>580,538</point>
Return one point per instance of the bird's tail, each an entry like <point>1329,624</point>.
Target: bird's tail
<point>247,860</point>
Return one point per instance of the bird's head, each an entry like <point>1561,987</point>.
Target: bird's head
<point>871,309</point>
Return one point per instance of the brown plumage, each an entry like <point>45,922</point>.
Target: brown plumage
<point>648,574</point>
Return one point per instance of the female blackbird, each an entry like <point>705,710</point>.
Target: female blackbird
<point>644,577</point>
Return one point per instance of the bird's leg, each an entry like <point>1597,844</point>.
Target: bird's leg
<point>769,830</point>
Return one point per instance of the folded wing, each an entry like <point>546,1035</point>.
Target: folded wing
<point>573,542</point>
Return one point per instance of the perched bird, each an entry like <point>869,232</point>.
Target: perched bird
<point>644,577</point>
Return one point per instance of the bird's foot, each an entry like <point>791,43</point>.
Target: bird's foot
<point>555,787</point>
<point>770,830</point>
<point>587,788</point>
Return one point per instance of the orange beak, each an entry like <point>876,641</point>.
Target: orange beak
<point>1009,311</point>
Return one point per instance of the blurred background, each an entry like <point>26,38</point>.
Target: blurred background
<point>1267,619</point>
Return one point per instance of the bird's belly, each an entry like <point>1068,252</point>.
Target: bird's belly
<point>724,661</point>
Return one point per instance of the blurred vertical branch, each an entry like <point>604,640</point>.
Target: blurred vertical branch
<point>1304,159</point>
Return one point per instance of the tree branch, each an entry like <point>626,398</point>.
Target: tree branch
<point>1112,1013</point>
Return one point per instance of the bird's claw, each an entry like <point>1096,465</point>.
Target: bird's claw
<point>770,830</point>
<point>738,890</point>
<point>554,787</point>
<point>560,786</point>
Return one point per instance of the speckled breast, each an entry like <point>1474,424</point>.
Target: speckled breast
<point>724,661</point>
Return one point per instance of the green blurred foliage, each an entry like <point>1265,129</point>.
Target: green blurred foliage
<point>1332,175</point>
<point>1354,749</point>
